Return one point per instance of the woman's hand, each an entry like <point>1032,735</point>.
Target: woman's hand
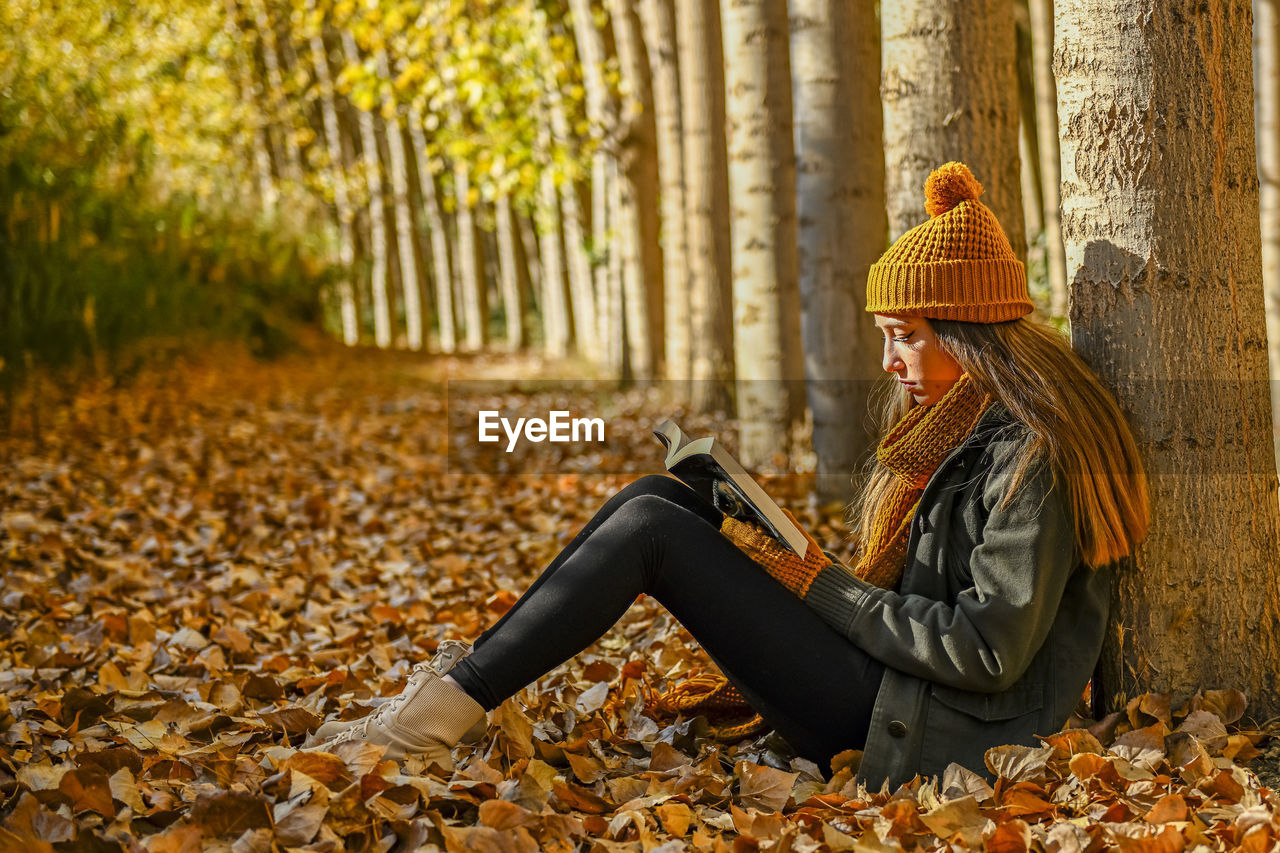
<point>793,572</point>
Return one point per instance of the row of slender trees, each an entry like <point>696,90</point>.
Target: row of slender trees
<point>655,185</point>
<point>710,214</point>
<point>693,190</point>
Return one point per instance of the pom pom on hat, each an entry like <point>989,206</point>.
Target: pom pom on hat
<point>947,186</point>
<point>956,265</point>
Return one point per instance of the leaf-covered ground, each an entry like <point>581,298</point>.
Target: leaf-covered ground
<point>200,566</point>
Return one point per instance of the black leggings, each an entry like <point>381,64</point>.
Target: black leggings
<point>657,536</point>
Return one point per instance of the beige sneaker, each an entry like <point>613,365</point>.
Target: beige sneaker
<point>446,657</point>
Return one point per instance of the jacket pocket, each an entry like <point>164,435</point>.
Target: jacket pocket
<point>1022,698</point>
<point>960,726</point>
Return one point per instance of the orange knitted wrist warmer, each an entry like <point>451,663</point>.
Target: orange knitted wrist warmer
<point>794,573</point>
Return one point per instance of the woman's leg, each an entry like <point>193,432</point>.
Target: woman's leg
<point>650,484</point>
<point>806,680</point>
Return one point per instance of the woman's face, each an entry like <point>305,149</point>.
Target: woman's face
<point>912,353</point>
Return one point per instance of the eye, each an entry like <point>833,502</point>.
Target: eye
<point>903,339</point>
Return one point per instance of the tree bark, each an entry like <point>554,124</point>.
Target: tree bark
<point>762,220</point>
<point>1028,133</point>
<point>410,281</point>
<point>268,193</point>
<point>659,20</point>
<point>470,269</point>
<point>613,329</point>
<point>280,112</point>
<point>706,202</point>
<point>338,173</point>
<point>557,333</point>
<point>602,115</point>
<point>1155,101</point>
<point>582,322</point>
<point>1266,58</point>
<point>377,221</point>
<point>640,224</point>
<point>950,93</point>
<point>1050,168</point>
<point>441,254</point>
<point>527,247</point>
<point>835,60</point>
<point>515,298</point>
<point>762,183</point>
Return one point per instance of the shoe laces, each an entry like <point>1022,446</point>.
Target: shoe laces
<point>448,653</point>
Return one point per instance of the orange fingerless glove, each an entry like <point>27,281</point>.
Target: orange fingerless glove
<point>781,562</point>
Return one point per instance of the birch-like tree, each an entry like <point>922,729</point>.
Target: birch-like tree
<point>1041,12</point>
<point>1158,164</point>
<point>762,219</point>
<point>835,61</point>
<point>701,59</point>
<point>602,113</point>
<point>950,93</point>
<point>410,283</point>
<point>337,173</point>
<point>638,214</point>
<point>659,20</point>
<point>1266,59</point>
<point>441,250</point>
<point>377,222</point>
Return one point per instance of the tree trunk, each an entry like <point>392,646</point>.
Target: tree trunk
<point>642,253</point>
<point>268,193</point>
<point>441,256</point>
<point>835,61</point>
<point>611,298</point>
<point>349,137</point>
<point>377,221</point>
<point>762,198</point>
<point>582,323</point>
<point>602,115</point>
<point>471,277</point>
<point>557,333</point>
<point>950,93</point>
<point>410,282</point>
<point>706,202</point>
<point>659,20</point>
<point>1158,165</point>
<point>341,195</point>
<point>1266,57</point>
<point>515,298</point>
<point>530,265</point>
<point>394,278</point>
<point>1028,133</point>
<point>1050,168</point>
<point>280,111</point>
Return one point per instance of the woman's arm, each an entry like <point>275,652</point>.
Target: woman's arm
<point>987,639</point>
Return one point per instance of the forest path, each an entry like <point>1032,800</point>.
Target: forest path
<point>200,565</point>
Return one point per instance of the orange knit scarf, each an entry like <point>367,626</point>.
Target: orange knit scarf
<point>913,450</point>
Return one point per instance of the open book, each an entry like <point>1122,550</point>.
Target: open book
<point>707,468</point>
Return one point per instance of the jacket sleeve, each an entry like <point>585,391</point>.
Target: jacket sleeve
<point>988,638</point>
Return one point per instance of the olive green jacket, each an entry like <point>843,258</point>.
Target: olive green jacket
<point>997,624</point>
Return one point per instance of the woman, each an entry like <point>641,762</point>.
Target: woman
<point>1007,486</point>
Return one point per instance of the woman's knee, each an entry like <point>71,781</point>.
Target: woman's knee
<point>646,508</point>
<point>655,484</point>
<point>674,491</point>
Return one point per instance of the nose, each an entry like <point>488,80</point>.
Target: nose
<point>889,360</point>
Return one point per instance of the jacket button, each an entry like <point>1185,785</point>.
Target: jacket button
<point>897,728</point>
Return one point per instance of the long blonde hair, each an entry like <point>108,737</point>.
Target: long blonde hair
<point>1074,421</point>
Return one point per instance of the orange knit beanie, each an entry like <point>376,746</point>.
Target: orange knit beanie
<point>958,265</point>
